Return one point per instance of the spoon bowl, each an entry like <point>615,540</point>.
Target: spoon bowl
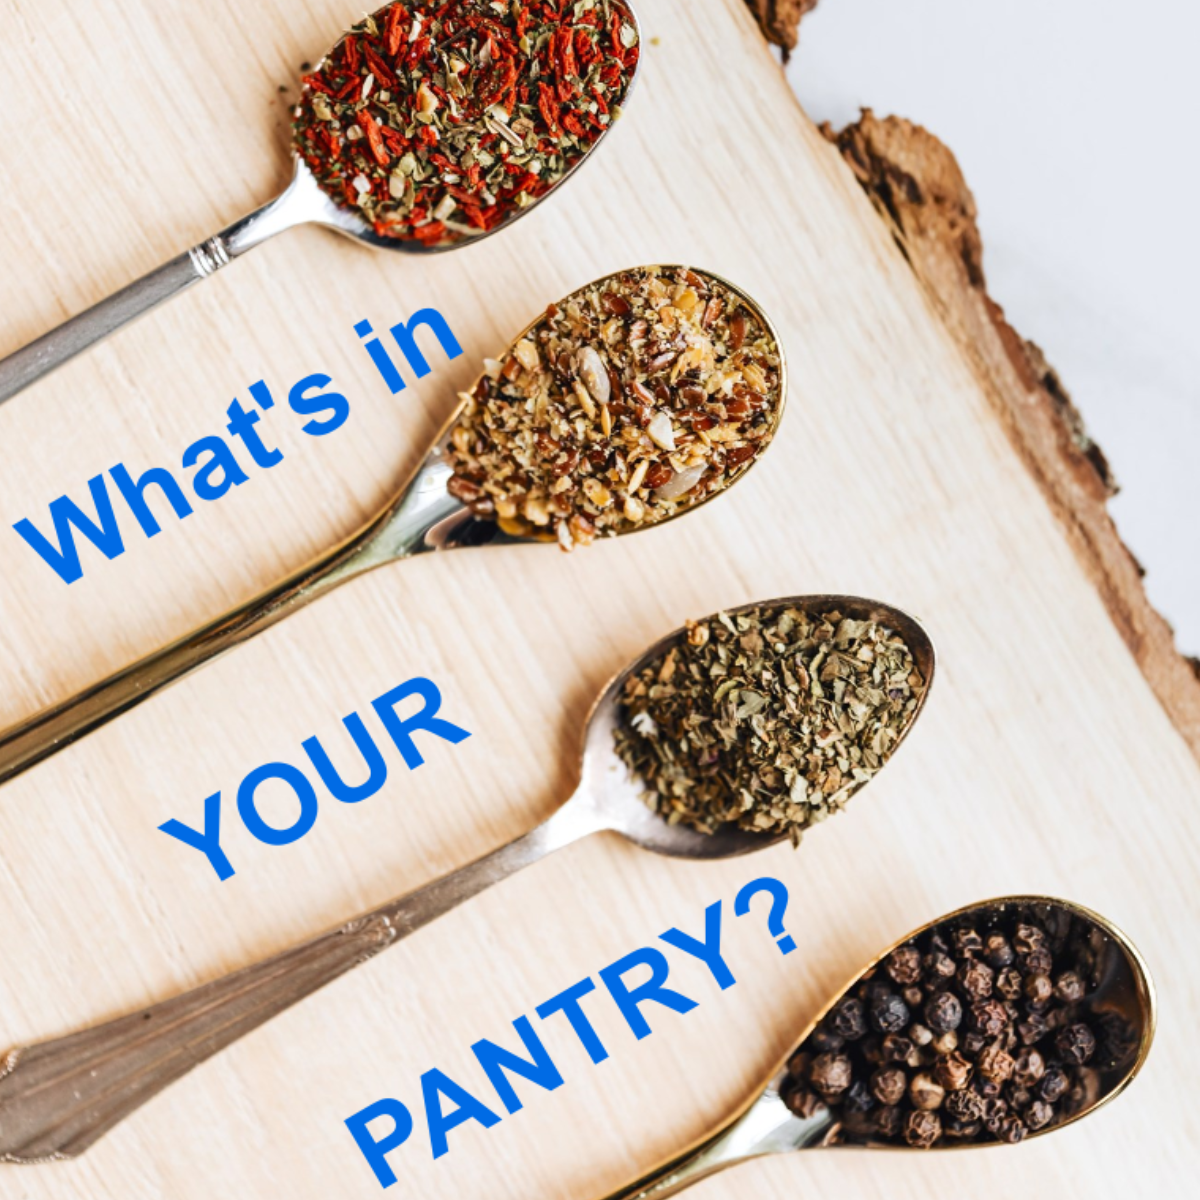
<point>1120,989</point>
<point>609,789</point>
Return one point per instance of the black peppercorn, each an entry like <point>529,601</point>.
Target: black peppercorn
<point>965,1106</point>
<point>896,1048</point>
<point>989,1089</point>
<point>803,1103</point>
<point>889,1121</point>
<point>922,1129</point>
<point>989,1017</point>
<point>904,965</point>
<point>848,1019</point>
<point>953,1072</point>
<point>1032,1029</point>
<point>972,1043</point>
<point>995,1063</point>
<point>1039,1115</point>
<point>1028,1067</point>
<point>921,1035</point>
<point>998,951</point>
<point>825,1041</point>
<point>1009,984</point>
<point>945,1043</point>
<point>967,943</point>
<point>1054,1083</point>
<point>943,1012</point>
<point>1038,962</point>
<point>912,996</point>
<point>889,1014</point>
<point>859,1098</point>
<point>926,1093</point>
<point>1070,988</point>
<point>975,978</point>
<point>1018,1097</point>
<point>1039,990</point>
<point>994,1111</point>
<point>1076,1043</point>
<point>961,1131</point>
<point>831,1074</point>
<point>1028,938</point>
<point>1012,1130</point>
<point>938,966</point>
<point>889,1084</point>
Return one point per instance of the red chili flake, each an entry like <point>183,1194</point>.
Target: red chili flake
<point>395,29</point>
<point>556,97</point>
<point>384,75</point>
<point>374,137</point>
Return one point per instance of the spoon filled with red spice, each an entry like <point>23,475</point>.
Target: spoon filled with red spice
<point>428,126</point>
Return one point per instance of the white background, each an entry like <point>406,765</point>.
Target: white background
<point>1074,123</point>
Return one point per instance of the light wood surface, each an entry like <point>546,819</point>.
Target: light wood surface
<point>1043,762</point>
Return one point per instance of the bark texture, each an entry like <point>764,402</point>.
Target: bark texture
<point>780,19</point>
<point>916,185</point>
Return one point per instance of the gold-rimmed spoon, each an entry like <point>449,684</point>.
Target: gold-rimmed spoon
<point>303,202</point>
<point>1119,995</point>
<point>57,1097</point>
<point>423,516</point>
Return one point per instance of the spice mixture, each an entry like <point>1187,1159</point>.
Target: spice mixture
<point>980,1030</point>
<point>436,119</point>
<point>636,397</point>
<point>769,719</point>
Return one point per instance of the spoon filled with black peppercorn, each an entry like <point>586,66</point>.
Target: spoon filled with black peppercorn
<point>807,698</point>
<point>1002,1021</point>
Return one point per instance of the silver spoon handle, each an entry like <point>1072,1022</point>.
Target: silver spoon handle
<point>72,337</point>
<point>57,1097</point>
<point>45,733</point>
<point>766,1127</point>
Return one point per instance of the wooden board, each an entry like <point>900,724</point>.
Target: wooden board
<point>1043,763</point>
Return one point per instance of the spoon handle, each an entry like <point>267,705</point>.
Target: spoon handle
<point>57,1097</point>
<point>45,733</point>
<point>60,345</point>
<point>766,1127</point>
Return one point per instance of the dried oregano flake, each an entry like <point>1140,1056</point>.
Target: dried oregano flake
<point>767,719</point>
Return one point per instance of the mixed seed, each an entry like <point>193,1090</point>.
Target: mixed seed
<point>982,1029</point>
<point>436,119</point>
<point>637,396</point>
<point>768,719</point>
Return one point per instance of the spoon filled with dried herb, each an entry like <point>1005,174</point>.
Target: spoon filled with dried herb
<point>1000,1022</point>
<point>625,405</point>
<point>427,126</point>
<point>57,1097</point>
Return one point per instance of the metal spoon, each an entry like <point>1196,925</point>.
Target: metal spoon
<point>302,202</point>
<point>58,1097</point>
<point>767,1126</point>
<point>422,517</point>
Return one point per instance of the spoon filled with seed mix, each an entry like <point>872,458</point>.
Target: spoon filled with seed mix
<point>625,405</point>
<point>426,127</point>
<point>807,699</point>
<point>1000,1022</point>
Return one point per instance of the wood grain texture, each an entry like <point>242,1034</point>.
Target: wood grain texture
<point>1043,762</point>
<point>919,190</point>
